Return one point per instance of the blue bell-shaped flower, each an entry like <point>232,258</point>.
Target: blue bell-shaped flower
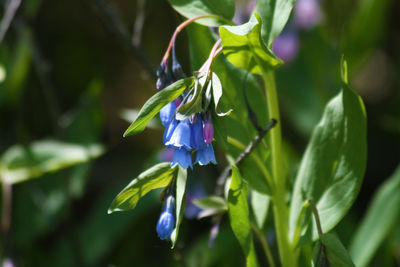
<point>183,158</point>
<point>166,222</point>
<point>181,136</point>
<point>205,155</point>
<point>167,113</point>
<point>197,140</point>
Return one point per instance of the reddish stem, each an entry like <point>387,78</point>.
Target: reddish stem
<point>178,30</point>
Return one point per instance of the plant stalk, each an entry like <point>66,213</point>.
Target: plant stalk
<point>286,254</point>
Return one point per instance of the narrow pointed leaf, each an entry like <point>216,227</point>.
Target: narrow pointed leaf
<point>211,202</point>
<point>20,163</point>
<point>180,202</point>
<point>382,216</point>
<point>157,102</point>
<point>217,94</point>
<point>157,176</point>
<point>238,210</point>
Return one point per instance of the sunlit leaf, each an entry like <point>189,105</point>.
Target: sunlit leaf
<point>225,9</point>
<point>20,163</point>
<point>382,215</point>
<point>260,204</point>
<point>156,103</point>
<point>244,48</point>
<point>333,165</point>
<point>180,202</point>
<point>211,202</point>
<point>157,176</point>
<point>238,210</point>
<point>274,14</point>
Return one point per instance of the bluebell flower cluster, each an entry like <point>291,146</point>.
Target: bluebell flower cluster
<point>166,222</point>
<point>192,135</point>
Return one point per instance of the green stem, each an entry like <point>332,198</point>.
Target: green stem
<point>286,254</point>
<point>264,244</point>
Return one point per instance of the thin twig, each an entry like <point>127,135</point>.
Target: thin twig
<point>139,21</point>
<point>316,216</point>
<point>264,244</point>
<point>256,140</point>
<point>6,212</point>
<point>114,24</point>
<point>11,9</point>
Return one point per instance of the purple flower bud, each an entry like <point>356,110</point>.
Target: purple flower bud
<point>183,158</point>
<point>307,13</point>
<point>208,130</point>
<point>181,136</point>
<point>205,155</point>
<point>166,222</point>
<point>167,113</point>
<point>286,46</point>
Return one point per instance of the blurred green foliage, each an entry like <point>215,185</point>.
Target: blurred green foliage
<point>67,71</point>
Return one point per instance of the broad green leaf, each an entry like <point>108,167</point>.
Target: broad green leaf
<point>382,215</point>
<point>157,176</point>
<point>157,102</point>
<point>239,219</point>
<point>217,94</point>
<point>333,165</point>
<point>260,204</point>
<point>20,163</point>
<point>244,48</point>
<point>180,202</point>
<point>274,14</point>
<point>335,252</point>
<point>211,202</point>
<point>224,9</point>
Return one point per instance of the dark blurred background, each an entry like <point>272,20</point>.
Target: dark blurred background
<point>77,71</point>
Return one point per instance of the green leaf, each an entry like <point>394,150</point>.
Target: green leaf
<point>157,176</point>
<point>335,251</point>
<point>180,202</point>
<point>211,202</point>
<point>274,14</point>
<point>244,48</point>
<point>217,94</point>
<point>260,204</point>
<point>382,216</point>
<point>225,9</point>
<point>238,210</point>
<point>332,169</point>
<point>237,124</point>
<point>20,163</point>
<point>194,103</point>
<point>157,102</point>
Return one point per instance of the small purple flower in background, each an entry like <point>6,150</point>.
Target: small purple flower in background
<point>194,192</point>
<point>166,154</point>
<point>243,11</point>
<point>307,13</point>
<point>286,46</point>
<point>166,222</point>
